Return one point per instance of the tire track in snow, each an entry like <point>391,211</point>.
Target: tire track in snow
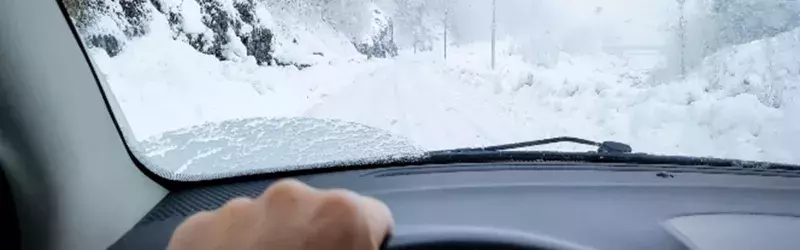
<point>432,108</point>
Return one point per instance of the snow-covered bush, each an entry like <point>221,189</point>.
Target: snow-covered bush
<point>706,26</point>
<point>236,29</point>
<point>741,21</point>
<point>768,69</point>
<point>539,50</point>
<point>378,41</point>
<point>109,24</point>
<point>229,30</point>
<point>367,26</point>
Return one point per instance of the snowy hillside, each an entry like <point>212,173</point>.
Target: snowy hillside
<point>738,103</point>
<point>274,32</point>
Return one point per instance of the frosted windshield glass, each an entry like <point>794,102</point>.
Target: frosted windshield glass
<point>213,88</point>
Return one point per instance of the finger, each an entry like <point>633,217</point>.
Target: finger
<point>376,215</point>
<point>379,219</point>
<point>288,193</point>
<point>233,209</point>
<point>201,224</point>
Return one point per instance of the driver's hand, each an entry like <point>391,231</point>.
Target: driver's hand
<point>289,215</point>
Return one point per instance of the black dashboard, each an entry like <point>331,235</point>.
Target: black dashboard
<point>522,205</point>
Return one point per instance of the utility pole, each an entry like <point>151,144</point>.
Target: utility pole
<point>682,37</point>
<point>446,11</point>
<point>494,29</point>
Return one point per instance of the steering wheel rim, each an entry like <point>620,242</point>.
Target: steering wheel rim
<point>454,237</point>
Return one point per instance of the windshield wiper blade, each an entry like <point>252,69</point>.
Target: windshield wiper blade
<point>602,147</point>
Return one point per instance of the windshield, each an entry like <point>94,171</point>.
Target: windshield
<point>215,88</point>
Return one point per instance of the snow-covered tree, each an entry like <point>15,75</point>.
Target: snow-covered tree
<point>378,41</point>
<point>702,27</point>
<point>351,17</point>
<point>741,21</point>
<point>419,23</point>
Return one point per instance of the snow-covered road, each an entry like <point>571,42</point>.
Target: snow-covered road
<point>423,101</point>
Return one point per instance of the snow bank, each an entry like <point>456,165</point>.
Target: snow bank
<point>768,69</point>
<point>164,84</point>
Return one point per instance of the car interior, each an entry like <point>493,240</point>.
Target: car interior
<point>69,181</point>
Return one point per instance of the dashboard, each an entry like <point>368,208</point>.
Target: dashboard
<point>538,205</point>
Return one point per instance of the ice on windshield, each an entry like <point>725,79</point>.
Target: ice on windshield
<point>232,147</point>
<point>684,77</point>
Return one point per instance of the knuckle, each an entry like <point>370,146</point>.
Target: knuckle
<point>237,205</point>
<point>195,223</point>
<point>200,219</point>
<point>199,225</point>
<point>204,216</point>
<point>377,207</point>
<point>340,203</point>
<point>287,189</point>
<point>239,201</point>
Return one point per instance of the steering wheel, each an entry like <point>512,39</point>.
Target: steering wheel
<point>460,237</point>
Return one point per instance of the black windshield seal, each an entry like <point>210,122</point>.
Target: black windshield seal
<point>599,160</point>
<point>593,157</point>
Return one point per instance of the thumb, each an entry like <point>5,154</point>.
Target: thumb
<point>379,219</point>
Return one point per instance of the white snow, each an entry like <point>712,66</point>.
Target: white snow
<point>301,33</point>
<point>190,11</point>
<point>163,85</point>
<point>106,25</point>
<point>235,49</point>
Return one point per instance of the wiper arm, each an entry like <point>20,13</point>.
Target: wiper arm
<point>602,147</point>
